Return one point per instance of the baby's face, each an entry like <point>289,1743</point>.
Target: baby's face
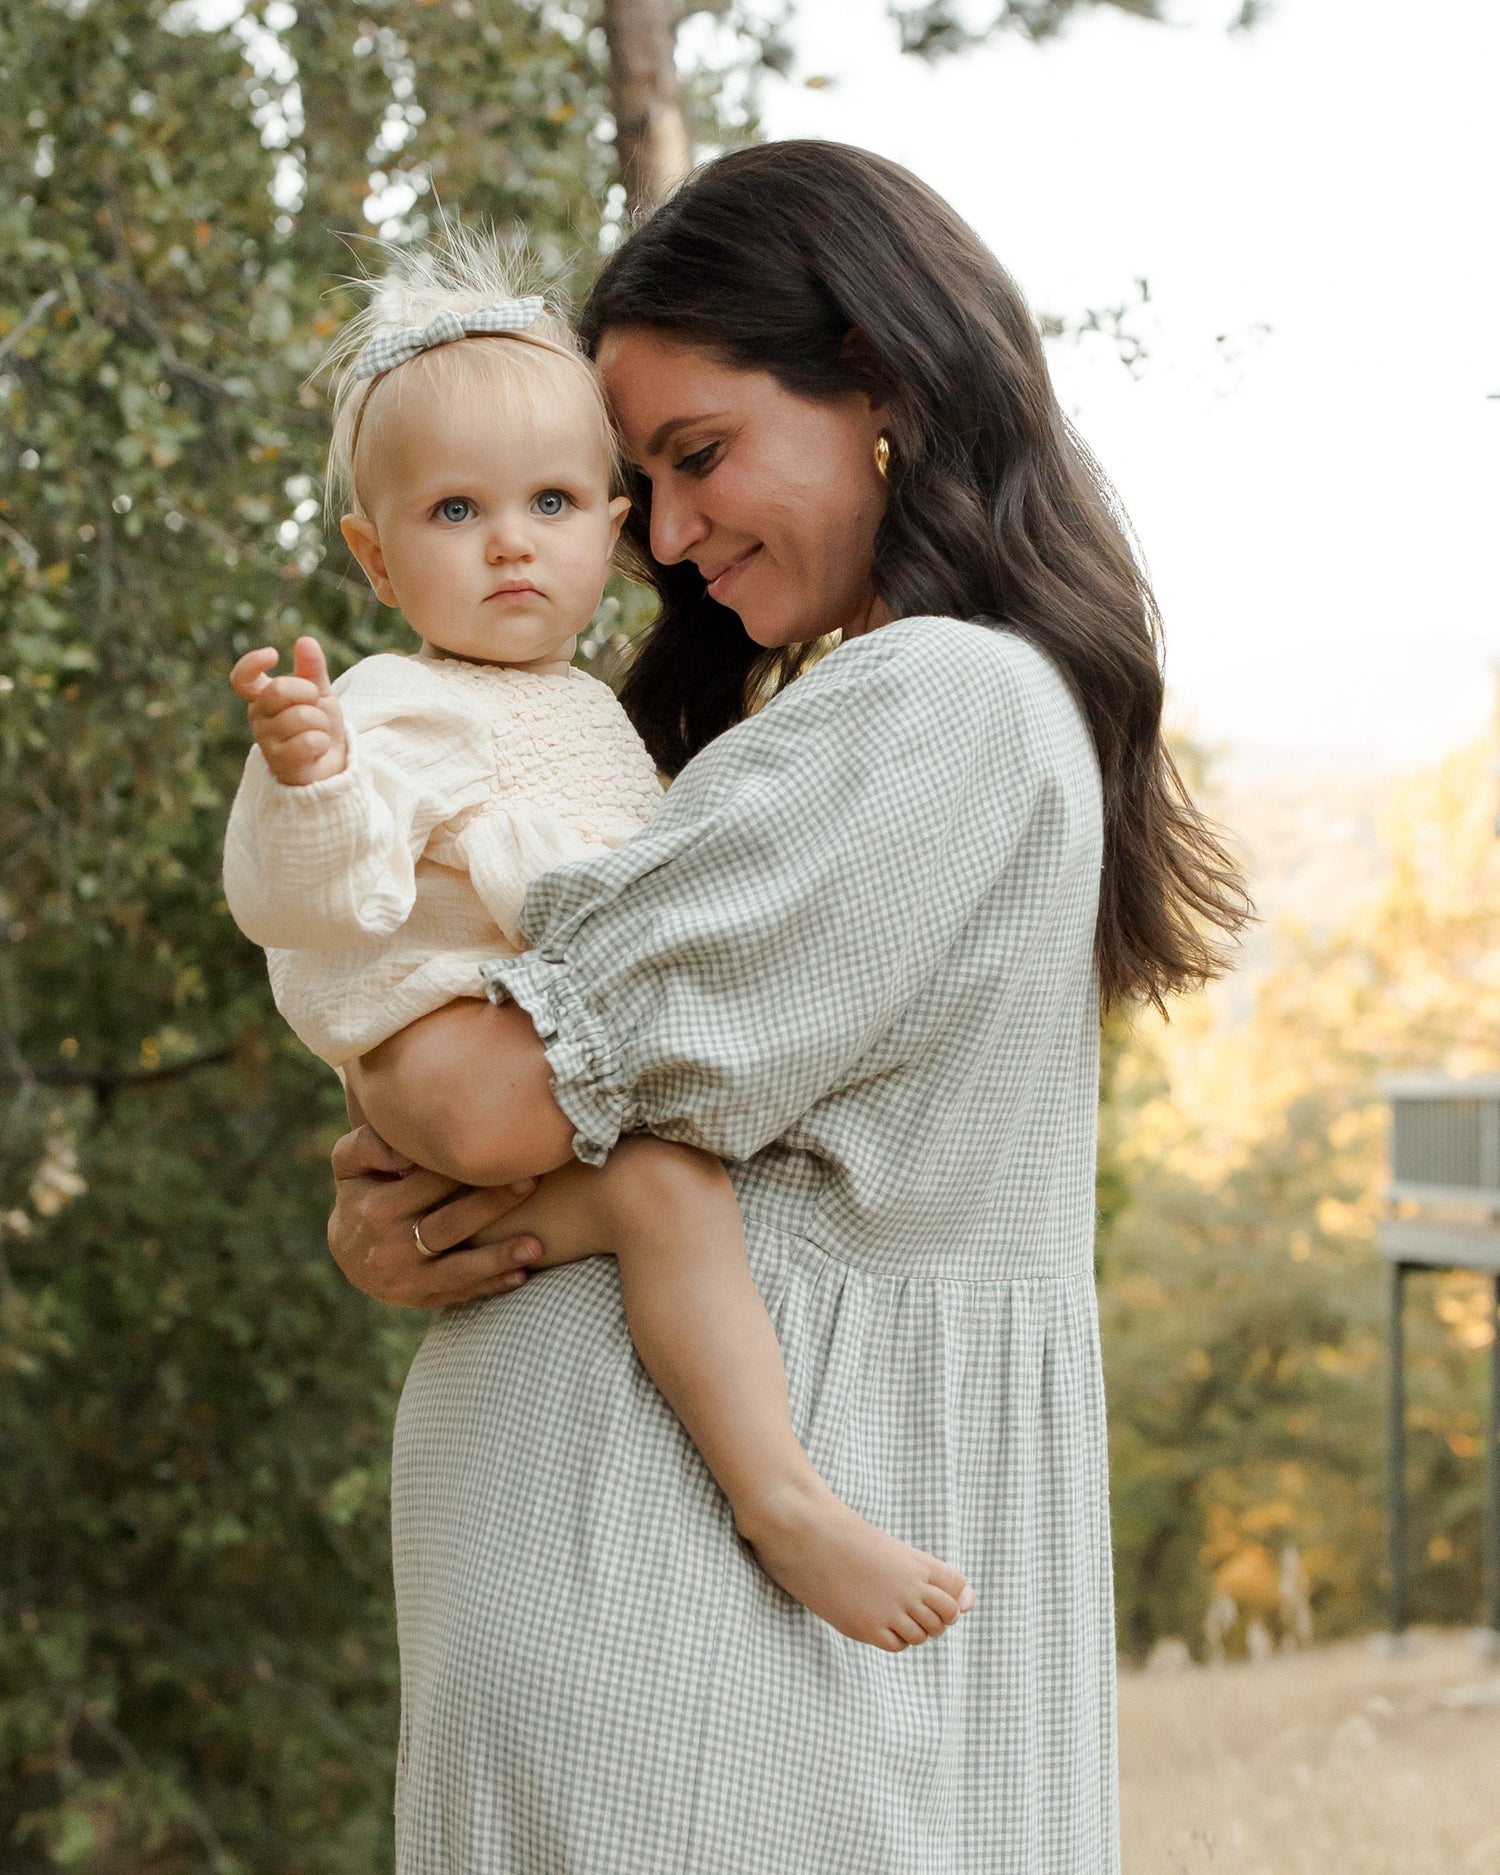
<point>493,537</point>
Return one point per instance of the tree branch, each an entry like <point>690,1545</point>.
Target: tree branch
<point>106,1081</point>
<point>39,310</point>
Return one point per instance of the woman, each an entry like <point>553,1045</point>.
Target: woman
<point>859,955</point>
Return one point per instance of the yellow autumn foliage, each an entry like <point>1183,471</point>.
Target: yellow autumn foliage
<point>1243,1302</point>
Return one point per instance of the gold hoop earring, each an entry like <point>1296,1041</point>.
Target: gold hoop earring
<point>883,456</point>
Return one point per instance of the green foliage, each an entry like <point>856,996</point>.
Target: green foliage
<point>196,1644</point>
<point>1244,1356</point>
<point>934,28</point>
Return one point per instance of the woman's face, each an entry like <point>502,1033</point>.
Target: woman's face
<point>773,498</point>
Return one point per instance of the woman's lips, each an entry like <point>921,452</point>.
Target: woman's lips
<point>721,581</point>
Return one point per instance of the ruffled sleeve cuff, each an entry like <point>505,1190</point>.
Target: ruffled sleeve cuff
<point>587,1078</point>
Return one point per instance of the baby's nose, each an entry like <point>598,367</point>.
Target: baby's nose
<point>511,539</point>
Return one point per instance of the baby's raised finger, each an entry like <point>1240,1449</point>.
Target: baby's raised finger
<point>249,674</point>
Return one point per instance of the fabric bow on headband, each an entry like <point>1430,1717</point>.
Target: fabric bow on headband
<point>388,349</point>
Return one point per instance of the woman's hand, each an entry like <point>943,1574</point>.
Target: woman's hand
<point>380,1195</point>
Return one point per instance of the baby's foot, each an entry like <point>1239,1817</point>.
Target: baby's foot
<point>861,1580</point>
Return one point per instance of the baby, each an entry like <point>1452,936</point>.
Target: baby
<point>387,827</point>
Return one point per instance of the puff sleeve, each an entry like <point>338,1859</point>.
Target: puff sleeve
<point>323,866</point>
<point>736,962</point>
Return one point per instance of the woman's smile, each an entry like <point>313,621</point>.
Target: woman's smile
<point>720,582</point>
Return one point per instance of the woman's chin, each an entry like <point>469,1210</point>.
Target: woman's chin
<point>775,634</point>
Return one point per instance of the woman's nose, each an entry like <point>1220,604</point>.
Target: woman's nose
<point>677,525</point>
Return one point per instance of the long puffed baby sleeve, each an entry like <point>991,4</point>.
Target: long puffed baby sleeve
<point>322,866</point>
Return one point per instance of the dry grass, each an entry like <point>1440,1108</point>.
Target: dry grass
<point>1340,1761</point>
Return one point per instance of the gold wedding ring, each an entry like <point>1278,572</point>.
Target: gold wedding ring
<point>416,1231</point>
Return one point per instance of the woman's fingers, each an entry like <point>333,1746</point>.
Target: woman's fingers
<point>471,1212</point>
<point>467,1276</point>
<point>385,1203</point>
<point>364,1151</point>
<point>381,1195</point>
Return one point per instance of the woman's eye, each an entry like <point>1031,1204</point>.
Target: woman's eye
<point>700,461</point>
<point>456,508</point>
<point>551,502</point>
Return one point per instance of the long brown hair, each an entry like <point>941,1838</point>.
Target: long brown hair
<point>836,270</point>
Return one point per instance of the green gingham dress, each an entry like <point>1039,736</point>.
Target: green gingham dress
<point>852,955</point>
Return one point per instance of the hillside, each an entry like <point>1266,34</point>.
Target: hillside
<point>1343,1758</point>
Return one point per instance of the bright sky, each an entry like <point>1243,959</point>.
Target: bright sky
<point>1317,502</point>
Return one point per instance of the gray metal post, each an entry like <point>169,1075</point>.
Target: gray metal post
<point>1492,1478</point>
<point>1396,1450</point>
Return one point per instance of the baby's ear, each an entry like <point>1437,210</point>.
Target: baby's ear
<point>362,538</point>
<point>618,509</point>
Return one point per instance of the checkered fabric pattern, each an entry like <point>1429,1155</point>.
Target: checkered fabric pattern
<point>852,955</point>
<point>389,349</point>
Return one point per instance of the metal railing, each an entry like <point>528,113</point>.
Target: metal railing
<point>1445,1153</point>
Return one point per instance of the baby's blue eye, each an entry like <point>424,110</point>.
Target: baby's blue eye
<point>456,508</point>
<point>551,502</point>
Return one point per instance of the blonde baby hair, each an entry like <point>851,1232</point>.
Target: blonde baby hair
<point>458,270</point>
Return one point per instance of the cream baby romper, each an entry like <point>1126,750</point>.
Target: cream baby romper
<point>378,893</point>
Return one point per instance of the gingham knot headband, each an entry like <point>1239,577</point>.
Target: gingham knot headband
<point>388,349</point>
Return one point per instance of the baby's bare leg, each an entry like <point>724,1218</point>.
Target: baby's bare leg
<point>668,1215</point>
<point>435,1092</point>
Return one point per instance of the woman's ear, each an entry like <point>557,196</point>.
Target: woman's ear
<point>363,541</point>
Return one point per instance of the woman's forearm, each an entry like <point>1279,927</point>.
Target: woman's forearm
<point>466,1092</point>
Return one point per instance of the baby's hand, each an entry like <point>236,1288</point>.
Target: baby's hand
<point>296,720</point>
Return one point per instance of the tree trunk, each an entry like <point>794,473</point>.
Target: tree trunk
<point>651,133</point>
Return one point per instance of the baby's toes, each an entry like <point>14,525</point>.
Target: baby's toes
<point>942,1604</point>
<point>948,1580</point>
<point>890,1641</point>
<point>907,1627</point>
<point>927,1618</point>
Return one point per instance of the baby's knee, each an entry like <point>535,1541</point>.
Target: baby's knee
<point>413,1097</point>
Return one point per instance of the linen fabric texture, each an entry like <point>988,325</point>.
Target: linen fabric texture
<point>380,892</point>
<point>852,955</point>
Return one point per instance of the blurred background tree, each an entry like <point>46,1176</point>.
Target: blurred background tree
<point>196,1645</point>
<point>934,28</point>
